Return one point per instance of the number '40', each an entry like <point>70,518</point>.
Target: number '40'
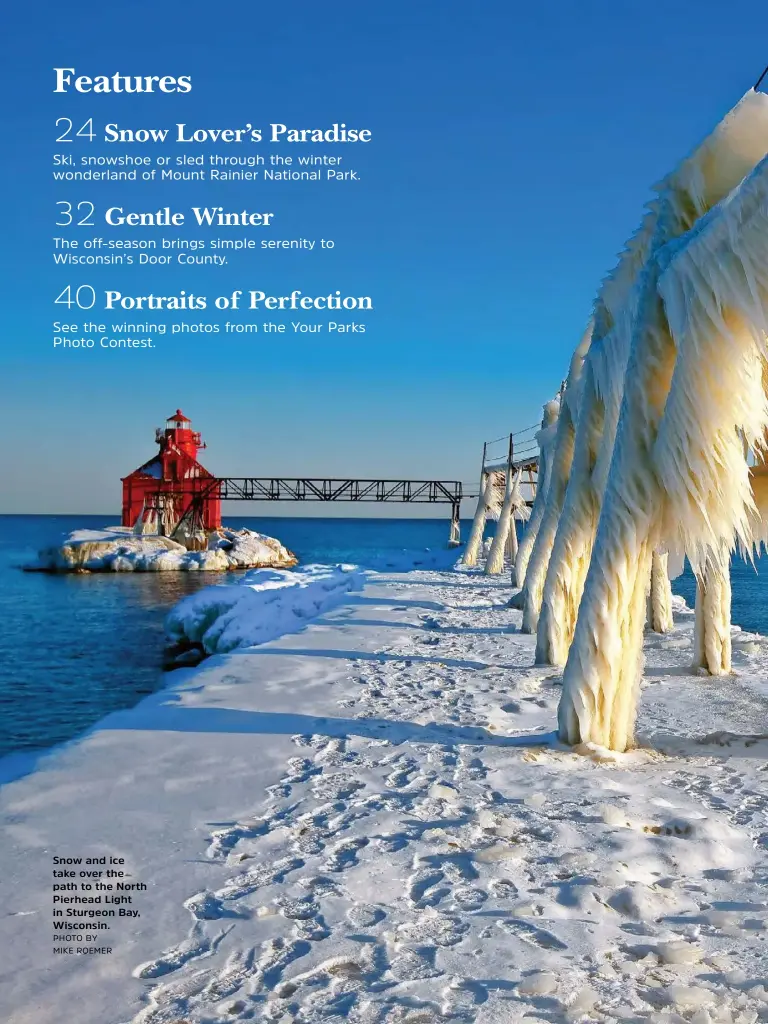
<point>83,297</point>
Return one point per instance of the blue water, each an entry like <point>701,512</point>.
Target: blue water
<point>75,647</point>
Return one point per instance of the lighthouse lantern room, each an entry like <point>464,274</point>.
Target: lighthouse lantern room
<point>166,487</point>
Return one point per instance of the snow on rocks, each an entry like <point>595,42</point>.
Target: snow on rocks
<point>118,549</point>
<point>246,549</point>
<point>261,606</point>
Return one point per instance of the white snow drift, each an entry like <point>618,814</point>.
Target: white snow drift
<point>371,821</point>
<point>263,605</point>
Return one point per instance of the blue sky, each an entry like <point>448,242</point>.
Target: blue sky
<point>513,148</point>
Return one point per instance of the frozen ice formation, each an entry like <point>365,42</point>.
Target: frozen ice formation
<point>119,549</point>
<point>664,406</point>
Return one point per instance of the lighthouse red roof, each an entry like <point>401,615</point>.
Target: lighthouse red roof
<point>180,417</point>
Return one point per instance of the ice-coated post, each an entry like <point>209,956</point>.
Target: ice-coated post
<point>494,564</point>
<point>712,624</point>
<point>475,541</point>
<point>575,535</point>
<point>454,539</point>
<point>536,570</point>
<point>659,618</point>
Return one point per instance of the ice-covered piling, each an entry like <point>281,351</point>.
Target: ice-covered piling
<point>675,398</point>
<point>514,507</point>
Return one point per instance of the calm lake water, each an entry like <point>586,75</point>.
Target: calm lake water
<point>75,647</point>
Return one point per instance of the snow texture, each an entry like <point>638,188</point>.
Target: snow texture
<point>371,821</point>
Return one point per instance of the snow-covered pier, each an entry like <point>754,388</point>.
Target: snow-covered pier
<point>371,819</point>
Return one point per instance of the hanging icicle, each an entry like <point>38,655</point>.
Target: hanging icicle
<point>138,526</point>
<point>716,294</point>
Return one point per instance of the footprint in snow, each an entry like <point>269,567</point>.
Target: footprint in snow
<point>432,928</point>
<point>258,876</point>
<point>197,945</point>
<point>276,955</point>
<point>468,899</point>
<point>365,915</point>
<point>504,889</point>
<point>344,854</point>
<point>414,963</point>
<point>166,997</point>
<point>204,906</point>
<point>224,840</point>
<point>239,967</point>
<point>532,935</point>
<point>422,887</point>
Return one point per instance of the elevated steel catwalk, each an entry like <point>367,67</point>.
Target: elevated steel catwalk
<point>262,488</point>
<point>254,488</point>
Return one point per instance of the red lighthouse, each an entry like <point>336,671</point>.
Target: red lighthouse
<point>173,483</point>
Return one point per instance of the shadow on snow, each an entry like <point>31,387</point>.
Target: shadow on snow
<point>172,718</point>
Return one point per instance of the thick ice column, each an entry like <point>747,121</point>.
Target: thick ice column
<point>454,537</point>
<point>505,539</point>
<point>494,563</point>
<point>475,541</point>
<point>525,547</point>
<point>659,616</point>
<point>712,624</point>
<point>556,448</point>
<point>542,548</point>
<point>602,673</point>
<point>512,542</point>
<point>572,547</point>
<point>547,439</point>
